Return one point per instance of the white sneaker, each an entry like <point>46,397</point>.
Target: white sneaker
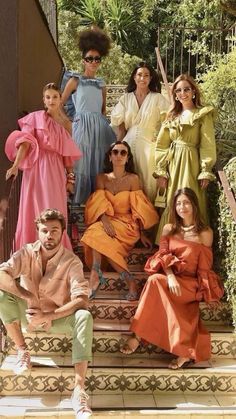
<point>23,361</point>
<point>79,401</point>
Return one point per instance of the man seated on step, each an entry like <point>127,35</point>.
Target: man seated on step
<point>43,288</point>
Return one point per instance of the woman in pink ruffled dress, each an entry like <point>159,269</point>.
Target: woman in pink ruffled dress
<point>45,151</point>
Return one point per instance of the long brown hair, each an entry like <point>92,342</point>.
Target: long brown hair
<point>176,106</point>
<point>154,85</point>
<point>177,221</point>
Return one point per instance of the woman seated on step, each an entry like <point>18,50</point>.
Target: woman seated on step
<point>168,311</point>
<point>117,215</point>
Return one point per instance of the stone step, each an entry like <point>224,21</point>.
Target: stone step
<point>108,310</point>
<point>223,344</point>
<point>122,406</point>
<point>53,375</point>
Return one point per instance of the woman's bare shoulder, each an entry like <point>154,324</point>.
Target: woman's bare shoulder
<point>167,229</point>
<point>134,181</point>
<point>101,180</point>
<point>206,237</point>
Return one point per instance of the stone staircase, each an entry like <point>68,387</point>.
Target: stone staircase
<point>122,386</point>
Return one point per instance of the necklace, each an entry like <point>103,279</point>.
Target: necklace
<point>188,228</point>
<point>116,182</point>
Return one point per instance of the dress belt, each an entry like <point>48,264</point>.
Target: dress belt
<point>178,143</point>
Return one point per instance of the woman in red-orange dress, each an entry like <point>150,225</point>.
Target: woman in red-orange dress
<point>168,311</point>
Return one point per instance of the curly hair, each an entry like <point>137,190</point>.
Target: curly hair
<point>96,39</point>
<point>176,106</point>
<point>177,221</point>
<point>154,85</point>
<point>129,166</point>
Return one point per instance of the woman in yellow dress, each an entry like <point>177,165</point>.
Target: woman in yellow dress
<point>185,148</point>
<point>117,215</point>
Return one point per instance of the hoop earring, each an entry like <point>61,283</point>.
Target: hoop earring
<point>193,97</point>
<point>176,98</point>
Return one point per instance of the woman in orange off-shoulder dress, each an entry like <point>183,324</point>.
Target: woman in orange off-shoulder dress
<point>168,311</point>
<point>117,213</point>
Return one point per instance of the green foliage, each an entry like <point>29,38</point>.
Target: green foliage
<point>219,87</point>
<point>224,227</point>
<point>133,26</point>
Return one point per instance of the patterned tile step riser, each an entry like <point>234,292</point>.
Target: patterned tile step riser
<point>223,346</point>
<point>113,310</point>
<point>115,381</point>
<point>116,288</point>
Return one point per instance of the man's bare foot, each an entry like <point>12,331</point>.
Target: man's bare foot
<point>130,345</point>
<point>179,362</point>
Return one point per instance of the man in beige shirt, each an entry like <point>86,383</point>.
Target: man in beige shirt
<point>52,295</point>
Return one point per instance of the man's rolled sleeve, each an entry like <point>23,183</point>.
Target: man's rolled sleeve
<point>78,283</point>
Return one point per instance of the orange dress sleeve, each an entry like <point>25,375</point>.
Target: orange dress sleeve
<point>142,209</point>
<point>97,205</point>
<point>210,286</point>
<point>164,259</point>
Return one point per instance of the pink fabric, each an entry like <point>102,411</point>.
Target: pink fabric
<point>44,180</point>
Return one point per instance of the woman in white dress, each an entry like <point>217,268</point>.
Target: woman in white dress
<point>137,119</point>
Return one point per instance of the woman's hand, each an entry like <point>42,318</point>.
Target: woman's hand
<point>13,171</point>
<point>204,183</point>
<point>173,285</point>
<point>108,227</point>
<point>145,240</point>
<point>162,182</point>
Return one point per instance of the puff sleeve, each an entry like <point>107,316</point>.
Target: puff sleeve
<point>97,205</point>
<point>207,148</point>
<point>164,259</point>
<point>162,150</point>
<point>118,112</point>
<point>210,288</point>
<point>142,209</point>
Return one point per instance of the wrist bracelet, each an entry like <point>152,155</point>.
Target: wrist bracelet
<point>70,175</point>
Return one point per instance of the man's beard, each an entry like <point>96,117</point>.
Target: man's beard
<point>51,245</point>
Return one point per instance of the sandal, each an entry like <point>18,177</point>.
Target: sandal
<point>180,362</point>
<point>102,280</point>
<point>127,349</point>
<point>127,276</point>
